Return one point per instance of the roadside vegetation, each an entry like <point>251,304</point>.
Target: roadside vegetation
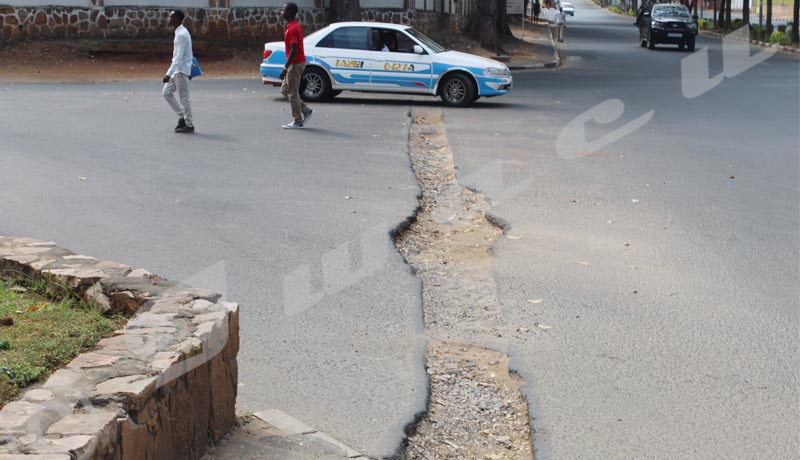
<point>40,333</point>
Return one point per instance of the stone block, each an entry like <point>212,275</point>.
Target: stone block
<point>89,360</point>
<point>137,388</point>
<point>78,446</point>
<point>88,423</point>
<point>20,415</point>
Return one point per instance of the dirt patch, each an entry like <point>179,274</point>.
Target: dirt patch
<point>73,61</point>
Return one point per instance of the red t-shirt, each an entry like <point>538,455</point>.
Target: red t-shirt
<point>294,35</point>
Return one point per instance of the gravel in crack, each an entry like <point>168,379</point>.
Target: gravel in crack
<point>476,409</point>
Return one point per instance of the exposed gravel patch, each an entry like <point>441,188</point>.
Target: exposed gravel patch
<point>476,409</point>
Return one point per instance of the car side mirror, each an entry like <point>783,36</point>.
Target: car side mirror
<point>418,50</point>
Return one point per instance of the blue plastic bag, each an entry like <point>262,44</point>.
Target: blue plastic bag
<point>196,72</point>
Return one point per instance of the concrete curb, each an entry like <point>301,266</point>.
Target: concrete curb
<point>787,49</point>
<point>290,426</point>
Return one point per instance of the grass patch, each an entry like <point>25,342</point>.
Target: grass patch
<point>40,334</point>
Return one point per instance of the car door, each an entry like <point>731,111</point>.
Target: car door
<point>345,52</point>
<point>395,65</point>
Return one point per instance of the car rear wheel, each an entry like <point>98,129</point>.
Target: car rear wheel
<point>458,90</point>
<point>315,85</point>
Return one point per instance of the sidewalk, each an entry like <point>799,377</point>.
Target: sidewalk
<point>537,50</point>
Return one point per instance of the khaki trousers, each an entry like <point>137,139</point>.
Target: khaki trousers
<point>183,109</point>
<point>293,76</point>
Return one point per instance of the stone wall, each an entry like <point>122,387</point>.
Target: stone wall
<point>218,23</point>
<point>161,388</point>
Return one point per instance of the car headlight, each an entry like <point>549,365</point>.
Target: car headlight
<point>657,25</point>
<point>496,72</point>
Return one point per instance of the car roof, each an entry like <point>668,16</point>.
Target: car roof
<point>387,25</point>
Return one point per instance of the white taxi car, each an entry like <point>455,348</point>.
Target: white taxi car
<point>387,58</point>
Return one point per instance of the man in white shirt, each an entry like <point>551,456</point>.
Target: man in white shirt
<point>561,23</point>
<point>178,75</point>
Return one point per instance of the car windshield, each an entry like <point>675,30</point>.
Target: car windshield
<point>671,10</point>
<point>567,5</point>
<point>427,41</point>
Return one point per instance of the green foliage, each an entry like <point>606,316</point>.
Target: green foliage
<point>632,13</point>
<point>46,333</point>
<point>703,24</point>
<point>782,29</point>
<point>737,24</point>
<point>779,38</point>
<point>615,9</point>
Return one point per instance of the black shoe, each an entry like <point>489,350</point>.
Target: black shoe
<point>181,123</point>
<point>184,129</point>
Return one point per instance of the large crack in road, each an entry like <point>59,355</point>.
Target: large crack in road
<point>475,409</point>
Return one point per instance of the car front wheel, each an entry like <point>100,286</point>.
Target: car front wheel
<point>458,90</point>
<point>690,44</point>
<point>315,85</point>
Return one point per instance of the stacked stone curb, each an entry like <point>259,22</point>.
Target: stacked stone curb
<point>162,387</point>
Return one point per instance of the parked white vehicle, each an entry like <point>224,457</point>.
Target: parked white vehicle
<point>387,58</point>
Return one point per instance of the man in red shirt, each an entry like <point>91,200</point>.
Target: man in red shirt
<point>295,64</point>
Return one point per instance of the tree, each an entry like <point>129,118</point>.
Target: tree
<point>796,22</point>
<point>746,11</point>
<point>344,10</point>
<point>728,14</point>
<point>769,18</point>
<point>716,20</point>
<point>488,24</point>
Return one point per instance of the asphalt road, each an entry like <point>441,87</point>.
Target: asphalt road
<point>696,210</point>
<point>666,261</point>
<point>293,225</point>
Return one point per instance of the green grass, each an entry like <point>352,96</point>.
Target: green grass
<point>47,333</point>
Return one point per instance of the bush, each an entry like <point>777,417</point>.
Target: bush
<point>782,29</point>
<point>632,13</point>
<point>737,24</point>
<point>779,38</point>
<point>614,9</point>
<point>702,24</point>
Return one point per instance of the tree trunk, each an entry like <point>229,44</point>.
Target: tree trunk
<point>715,14</point>
<point>728,25</point>
<point>488,24</point>
<point>344,10</point>
<point>795,28</point>
<point>769,18</point>
<point>746,11</point>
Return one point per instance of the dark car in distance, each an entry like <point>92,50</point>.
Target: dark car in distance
<point>667,23</point>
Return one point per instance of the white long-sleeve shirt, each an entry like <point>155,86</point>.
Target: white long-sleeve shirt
<point>181,53</point>
<point>560,18</point>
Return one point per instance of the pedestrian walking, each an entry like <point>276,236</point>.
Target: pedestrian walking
<point>537,8</point>
<point>179,74</point>
<point>295,64</point>
<point>561,23</point>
